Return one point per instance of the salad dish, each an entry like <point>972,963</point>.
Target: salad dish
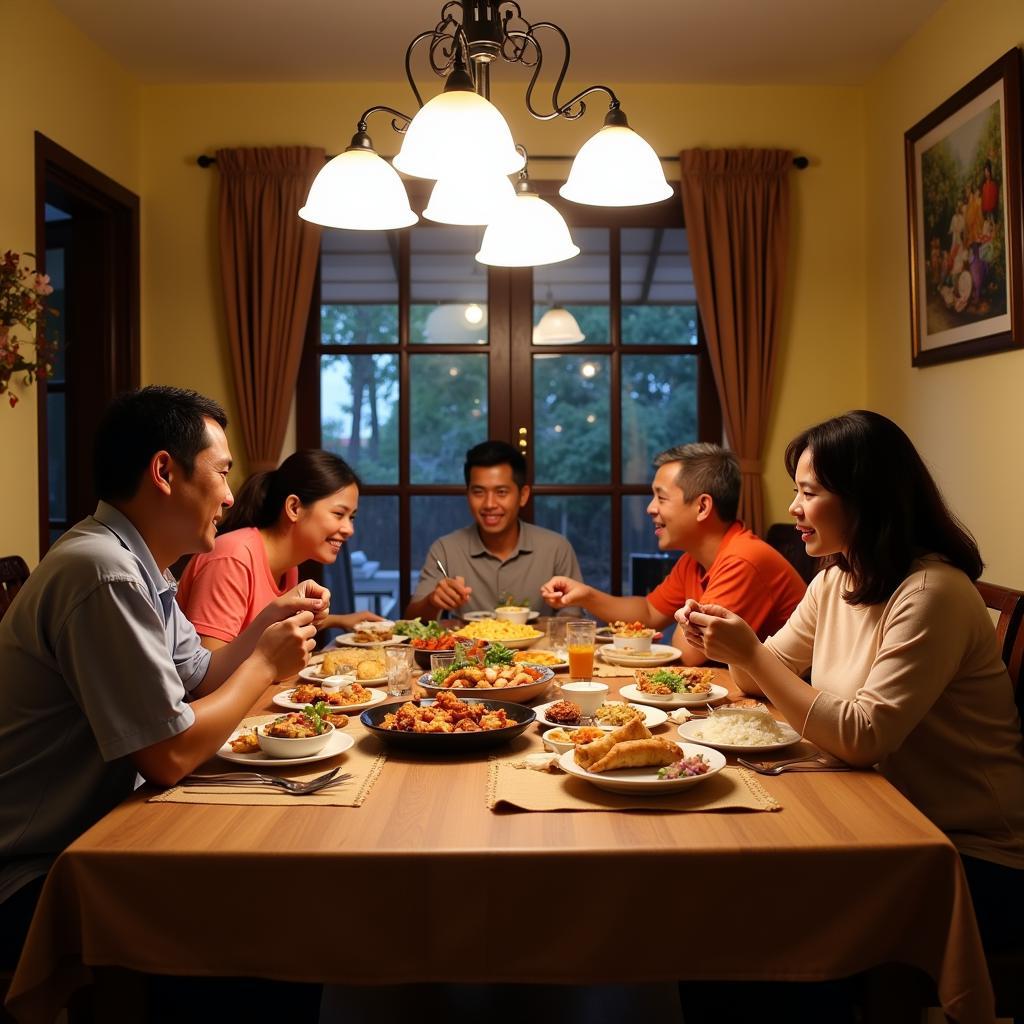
<point>476,671</point>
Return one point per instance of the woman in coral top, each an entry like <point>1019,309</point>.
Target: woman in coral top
<point>906,673</point>
<point>303,510</point>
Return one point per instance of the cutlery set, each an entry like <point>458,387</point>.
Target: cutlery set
<point>808,762</point>
<point>325,781</point>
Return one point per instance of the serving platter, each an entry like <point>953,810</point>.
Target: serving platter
<point>515,645</point>
<point>283,700</point>
<point>515,694</point>
<point>349,640</point>
<point>644,781</point>
<point>653,717</point>
<point>633,693</point>
<point>660,654</point>
<point>450,742</point>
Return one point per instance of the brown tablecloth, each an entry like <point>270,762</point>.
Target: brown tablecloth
<point>848,875</point>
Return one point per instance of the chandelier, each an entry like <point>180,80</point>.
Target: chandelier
<point>460,140</point>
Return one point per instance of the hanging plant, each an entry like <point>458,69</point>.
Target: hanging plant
<point>22,291</point>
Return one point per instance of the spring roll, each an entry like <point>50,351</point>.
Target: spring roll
<point>588,753</point>
<point>653,753</point>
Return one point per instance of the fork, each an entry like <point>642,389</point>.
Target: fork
<point>792,765</point>
<point>259,779</point>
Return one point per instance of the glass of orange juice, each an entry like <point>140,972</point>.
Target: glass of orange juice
<point>579,640</point>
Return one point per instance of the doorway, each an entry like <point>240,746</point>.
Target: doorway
<point>87,240</point>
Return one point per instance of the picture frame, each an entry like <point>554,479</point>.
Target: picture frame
<point>966,247</point>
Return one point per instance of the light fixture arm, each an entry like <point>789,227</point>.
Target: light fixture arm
<point>362,141</point>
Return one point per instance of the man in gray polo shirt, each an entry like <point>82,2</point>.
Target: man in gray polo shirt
<point>101,675</point>
<point>499,555</point>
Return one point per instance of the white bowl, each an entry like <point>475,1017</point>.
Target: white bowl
<point>636,644</point>
<point>304,746</point>
<point>512,613</point>
<point>558,746</point>
<point>588,695</point>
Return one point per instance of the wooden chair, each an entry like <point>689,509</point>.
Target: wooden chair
<point>13,573</point>
<point>1010,607</point>
<point>784,538</point>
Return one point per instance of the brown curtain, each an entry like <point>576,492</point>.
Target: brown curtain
<point>736,208</point>
<point>268,258</point>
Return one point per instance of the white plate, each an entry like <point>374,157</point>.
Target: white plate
<point>689,731</point>
<point>312,675</point>
<point>661,654</point>
<point>480,616</point>
<point>337,744</point>
<point>349,640</point>
<point>283,700</point>
<point>514,645</point>
<point>644,781</point>
<point>564,663</point>
<point>653,717</point>
<point>635,694</point>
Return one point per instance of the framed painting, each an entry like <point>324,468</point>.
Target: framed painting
<point>963,166</point>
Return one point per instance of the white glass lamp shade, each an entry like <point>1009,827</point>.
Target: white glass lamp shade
<point>527,232</point>
<point>455,132</point>
<point>456,324</point>
<point>468,198</point>
<point>557,327</point>
<point>358,190</point>
<point>616,167</point>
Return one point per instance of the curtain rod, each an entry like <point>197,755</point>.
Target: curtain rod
<point>799,162</point>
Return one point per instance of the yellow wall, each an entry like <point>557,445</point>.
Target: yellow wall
<point>964,416</point>
<point>183,326</point>
<point>66,88</point>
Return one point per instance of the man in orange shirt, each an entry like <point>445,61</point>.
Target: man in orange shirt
<point>696,492</point>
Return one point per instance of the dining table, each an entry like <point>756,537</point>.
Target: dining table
<point>834,873</point>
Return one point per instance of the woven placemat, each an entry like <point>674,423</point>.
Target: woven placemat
<point>510,785</point>
<point>364,762</point>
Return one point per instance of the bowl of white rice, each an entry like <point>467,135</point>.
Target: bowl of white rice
<point>739,729</point>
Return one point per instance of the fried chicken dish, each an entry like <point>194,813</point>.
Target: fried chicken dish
<point>447,714</point>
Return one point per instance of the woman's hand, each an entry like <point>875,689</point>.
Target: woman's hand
<point>720,634</point>
<point>349,622</point>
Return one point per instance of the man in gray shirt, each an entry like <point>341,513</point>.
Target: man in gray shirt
<point>499,555</point>
<point>101,675</point>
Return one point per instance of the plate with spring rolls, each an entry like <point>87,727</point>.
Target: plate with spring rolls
<point>644,766</point>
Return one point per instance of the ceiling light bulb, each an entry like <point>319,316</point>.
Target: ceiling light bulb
<point>527,232</point>
<point>557,327</point>
<point>457,132</point>
<point>360,191</point>
<point>473,314</point>
<point>468,198</point>
<point>616,167</point>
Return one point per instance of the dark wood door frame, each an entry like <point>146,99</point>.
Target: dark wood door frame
<point>103,306</point>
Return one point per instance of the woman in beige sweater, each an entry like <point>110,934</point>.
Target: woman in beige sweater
<point>905,668</point>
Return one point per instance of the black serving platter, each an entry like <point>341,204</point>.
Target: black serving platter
<point>449,742</point>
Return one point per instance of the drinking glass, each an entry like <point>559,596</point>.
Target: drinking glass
<point>554,635</point>
<point>399,662</point>
<point>579,639</point>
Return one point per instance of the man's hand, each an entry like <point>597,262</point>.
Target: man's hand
<point>286,644</point>
<point>451,593</point>
<point>561,591</point>
<point>350,621</point>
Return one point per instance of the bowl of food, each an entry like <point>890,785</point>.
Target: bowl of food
<point>512,613</point>
<point>562,739</point>
<point>632,637</point>
<point>424,647</point>
<point>297,734</point>
<point>517,635</point>
<point>373,632</point>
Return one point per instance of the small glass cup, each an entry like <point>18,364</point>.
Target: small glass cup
<point>399,664</point>
<point>579,640</point>
<point>442,659</point>
<point>554,635</point>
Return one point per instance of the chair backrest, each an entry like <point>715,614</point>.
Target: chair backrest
<point>13,573</point>
<point>1008,608</point>
<point>784,538</point>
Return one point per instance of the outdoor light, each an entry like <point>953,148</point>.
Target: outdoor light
<point>462,141</point>
<point>557,327</point>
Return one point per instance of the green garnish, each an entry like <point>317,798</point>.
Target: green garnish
<point>416,629</point>
<point>498,654</point>
<point>315,713</point>
<point>509,601</point>
<point>669,679</point>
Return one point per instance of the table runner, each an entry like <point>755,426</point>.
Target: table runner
<point>364,761</point>
<point>510,786</point>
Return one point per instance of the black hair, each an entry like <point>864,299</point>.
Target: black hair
<point>310,474</point>
<point>138,424</point>
<point>496,453</point>
<point>706,468</point>
<point>895,510</point>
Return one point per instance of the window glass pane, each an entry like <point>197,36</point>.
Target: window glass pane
<point>659,410</point>
<point>659,302</point>
<point>571,438</point>
<point>586,521</point>
<point>359,287</point>
<point>579,286</point>
<point>448,415</point>
<point>374,558</point>
<point>359,413</point>
<point>643,565</point>
<point>434,515</point>
<point>56,454</point>
<point>448,288</point>
<point>56,326</point>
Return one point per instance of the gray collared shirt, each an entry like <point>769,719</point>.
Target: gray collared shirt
<point>539,555</point>
<point>96,659</point>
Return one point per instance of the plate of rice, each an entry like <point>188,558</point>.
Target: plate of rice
<point>739,729</point>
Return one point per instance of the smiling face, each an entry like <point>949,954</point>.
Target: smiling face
<point>820,515</point>
<point>322,527</point>
<point>495,499</point>
<point>203,496</point>
<point>673,517</point>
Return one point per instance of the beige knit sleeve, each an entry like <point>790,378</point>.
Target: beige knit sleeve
<point>793,645</point>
